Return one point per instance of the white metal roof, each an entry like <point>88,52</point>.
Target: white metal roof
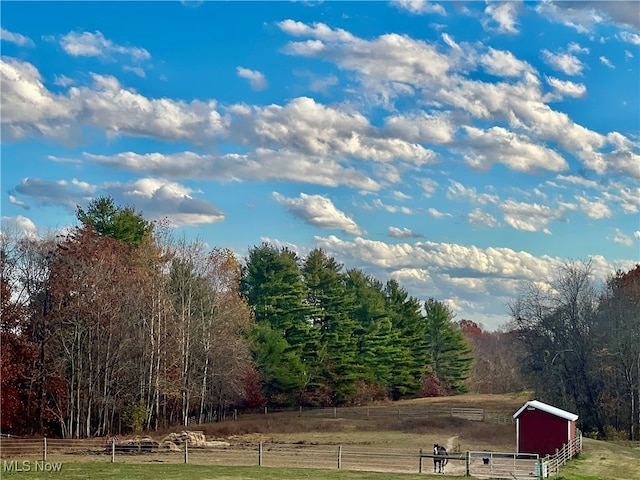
<point>547,408</point>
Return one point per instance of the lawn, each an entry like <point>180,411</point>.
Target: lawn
<point>201,472</point>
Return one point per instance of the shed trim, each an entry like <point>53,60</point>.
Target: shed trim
<point>572,417</point>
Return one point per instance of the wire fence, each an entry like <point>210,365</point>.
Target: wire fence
<point>51,454</point>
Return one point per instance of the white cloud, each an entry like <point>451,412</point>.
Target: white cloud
<point>14,201</point>
<point>257,80</point>
<point>17,38</point>
<point>482,219</point>
<point>465,275</point>
<point>459,192</point>
<point>159,199</point>
<point>503,64</point>
<point>636,234</point>
<point>632,38</point>
<point>419,7</point>
<point>565,62</point>
<point>22,226</point>
<point>260,165</point>
<point>317,129</point>
<point>501,17</point>
<point>530,217</point>
<point>379,204</point>
<point>621,238</point>
<point>567,88</point>
<point>136,70</point>
<point>421,127</point>
<point>435,213</point>
<point>87,44</point>
<point>498,145</point>
<point>596,210</point>
<point>606,62</point>
<point>428,185</point>
<point>396,232</point>
<point>318,211</point>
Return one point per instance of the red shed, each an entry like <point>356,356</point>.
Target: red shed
<point>542,428</point>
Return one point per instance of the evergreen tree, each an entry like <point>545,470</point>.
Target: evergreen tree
<point>273,286</point>
<point>376,354</point>
<point>331,307</point>
<point>407,338</point>
<point>121,223</point>
<point>448,353</point>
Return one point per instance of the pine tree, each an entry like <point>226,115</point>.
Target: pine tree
<point>448,353</point>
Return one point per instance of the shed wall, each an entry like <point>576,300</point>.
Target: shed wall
<point>542,433</point>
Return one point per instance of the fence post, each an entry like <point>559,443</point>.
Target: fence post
<point>113,450</point>
<point>420,463</point>
<point>260,454</point>
<point>186,451</point>
<point>335,412</point>
<point>339,457</point>
<point>265,410</point>
<point>44,449</point>
<point>468,463</point>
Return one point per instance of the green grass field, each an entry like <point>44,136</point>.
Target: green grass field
<point>201,472</point>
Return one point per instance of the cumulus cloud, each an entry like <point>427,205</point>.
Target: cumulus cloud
<point>482,219</point>
<point>20,225</point>
<point>504,64</point>
<point>628,37</point>
<point>463,275</point>
<point>88,44</point>
<point>566,88</point>
<point>498,145</point>
<point>596,210</point>
<point>530,217</point>
<point>621,238</point>
<point>501,17</point>
<point>161,199</point>
<point>29,108</point>
<point>17,38</point>
<point>457,191</point>
<point>68,194</point>
<point>257,80</point>
<point>396,232</point>
<point>419,7</point>
<point>259,165</point>
<point>318,211</point>
<point>564,62</point>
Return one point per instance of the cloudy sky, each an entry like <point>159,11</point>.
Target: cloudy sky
<point>461,147</point>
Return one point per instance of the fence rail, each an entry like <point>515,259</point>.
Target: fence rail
<point>550,465</point>
<point>55,452</point>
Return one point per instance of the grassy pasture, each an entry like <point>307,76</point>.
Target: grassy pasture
<point>599,461</point>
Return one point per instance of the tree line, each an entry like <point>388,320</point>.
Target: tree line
<point>580,344</point>
<point>116,325</point>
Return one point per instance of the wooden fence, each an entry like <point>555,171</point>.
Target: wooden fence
<point>550,465</point>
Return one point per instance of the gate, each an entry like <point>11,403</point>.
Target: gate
<point>503,465</point>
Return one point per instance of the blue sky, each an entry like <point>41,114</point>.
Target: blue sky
<point>464,148</point>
